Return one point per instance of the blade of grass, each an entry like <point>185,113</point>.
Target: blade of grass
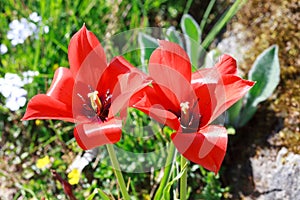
<point>37,51</point>
<point>166,193</point>
<point>183,178</point>
<point>187,7</point>
<point>222,22</point>
<point>63,47</point>
<point>88,8</point>
<point>206,14</point>
<point>26,190</point>
<point>117,171</point>
<point>167,172</point>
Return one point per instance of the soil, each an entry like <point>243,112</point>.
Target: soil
<point>244,145</point>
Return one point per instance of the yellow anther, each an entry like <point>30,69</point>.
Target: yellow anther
<point>184,118</point>
<point>95,101</point>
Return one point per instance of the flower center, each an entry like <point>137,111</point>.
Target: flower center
<point>184,107</point>
<point>100,105</point>
<point>184,117</point>
<point>95,101</point>
<point>189,120</point>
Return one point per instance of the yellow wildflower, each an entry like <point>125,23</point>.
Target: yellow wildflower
<point>38,122</point>
<point>42,162</point>
<point>55,66</point>
<point>74,176</point>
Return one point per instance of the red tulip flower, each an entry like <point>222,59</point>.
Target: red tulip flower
<point>90,93</point>
<point>189,102</point>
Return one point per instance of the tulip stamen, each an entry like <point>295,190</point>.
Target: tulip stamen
<point>184,117</point>
<point>184,107</point>
<point>95,101</point>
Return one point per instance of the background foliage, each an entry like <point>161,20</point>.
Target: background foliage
<point>30,149</point>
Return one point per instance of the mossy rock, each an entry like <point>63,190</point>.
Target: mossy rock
<point>266,23</point>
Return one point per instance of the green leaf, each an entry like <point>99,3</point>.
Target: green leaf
<point>206,14</point>
<point>190,27</point>
<point>266,72</point>
<point>166,193</point>
<point>174,36</point>
<point>192,34</point>
<point>102,194</point>
<point>246,114</point>
<point>233,113</point>
<point>92,195</point>
<point>25,189</point>
<point>226,17</point>
<point>147,44</point>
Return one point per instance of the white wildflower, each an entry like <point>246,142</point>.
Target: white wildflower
<point>17,99</point>
<point>20,30</point>
<point>3,49</point>
<point>13,80</point>
<point>35,17</point>
<point>11,87</point>
<point>46,29</point>
<point>5,91</point>
<point>28,76</point>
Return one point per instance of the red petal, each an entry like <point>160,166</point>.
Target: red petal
<point>228,91</point>
<point>207,101</point>
<point>83,44</point>
<point>164,116</point>
<point>172,84</point>
<point>62,86</point>
<point>226,65</point>
<point>42,106</point>
<point>152,103</point>
<point>170,69</point>
<point>206,148</point>
<point>57,103</point>
<point>148,97</point>
<point>172,55</point>
<point>81,105</point>
<point>95,134</point>
<point>128,85</point>
<point>109,77</point>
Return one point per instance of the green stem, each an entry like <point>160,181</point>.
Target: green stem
<point>167,172</point>
<point>221,23</point>
<point>183,178</point>
<point>187,7</point>
<point>206,14</point>
<point>118,173</point>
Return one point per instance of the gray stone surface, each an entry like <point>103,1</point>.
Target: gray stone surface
<point>276,175</point>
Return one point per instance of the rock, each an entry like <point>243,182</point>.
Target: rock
<point>276,176</point>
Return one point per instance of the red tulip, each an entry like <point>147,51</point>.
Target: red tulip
<point>90,93</point>
<point>188,102</point>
